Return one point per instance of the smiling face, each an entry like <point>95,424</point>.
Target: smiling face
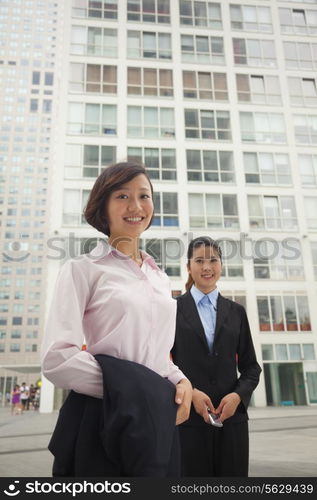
<point>205,268</point>
<point>130,208</point>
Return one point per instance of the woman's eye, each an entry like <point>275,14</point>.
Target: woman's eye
<point>146,196</point>
<point>122,196</point>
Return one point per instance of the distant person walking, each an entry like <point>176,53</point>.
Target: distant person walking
<point>16,401</point>
<point>25,392</point>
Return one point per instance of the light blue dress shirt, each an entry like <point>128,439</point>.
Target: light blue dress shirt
<point>207,309</point>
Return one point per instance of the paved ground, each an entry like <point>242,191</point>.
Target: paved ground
<point>283,442</point>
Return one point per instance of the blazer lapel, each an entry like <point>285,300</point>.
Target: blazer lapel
<point>190,313</point>
<point>223,308</point>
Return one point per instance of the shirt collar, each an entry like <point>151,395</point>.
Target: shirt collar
<point>198,295</point>
<point>103,250</point>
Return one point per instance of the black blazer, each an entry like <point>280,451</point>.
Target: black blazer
<point>130,432</point>
<point>215,372</point>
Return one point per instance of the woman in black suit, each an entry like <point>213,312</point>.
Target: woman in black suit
<point>212,342</point>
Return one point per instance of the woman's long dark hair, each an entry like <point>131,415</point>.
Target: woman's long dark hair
<point>196,243</point>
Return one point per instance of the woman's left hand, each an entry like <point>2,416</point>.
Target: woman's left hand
<point>183,398</point>
<point>228,406</point>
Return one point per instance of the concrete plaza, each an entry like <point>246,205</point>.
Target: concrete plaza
<point>283,442</point>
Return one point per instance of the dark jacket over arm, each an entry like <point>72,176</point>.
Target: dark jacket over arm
<point>215,372</point>
<point>130,432</point>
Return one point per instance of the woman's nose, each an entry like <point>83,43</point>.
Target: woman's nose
<point>134,204</point>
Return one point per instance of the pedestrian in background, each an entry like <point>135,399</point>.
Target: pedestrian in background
<point>16,401</point>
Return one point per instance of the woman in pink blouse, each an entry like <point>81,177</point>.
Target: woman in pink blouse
<point>114,299</point>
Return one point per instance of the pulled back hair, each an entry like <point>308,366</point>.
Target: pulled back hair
<point>196,243</point>
<point>110,180</point>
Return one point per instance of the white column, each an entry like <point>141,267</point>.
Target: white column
<point>47,396</point>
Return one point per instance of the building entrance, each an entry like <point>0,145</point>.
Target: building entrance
<point>284,384</point>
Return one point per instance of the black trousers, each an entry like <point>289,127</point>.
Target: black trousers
<point>208,451</point>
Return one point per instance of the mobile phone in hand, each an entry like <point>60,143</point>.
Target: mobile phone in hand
<point>214,419</point>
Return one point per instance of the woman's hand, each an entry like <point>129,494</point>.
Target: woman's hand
<point>183,398</point>
<point>201,402</point>
<point>228,406</point>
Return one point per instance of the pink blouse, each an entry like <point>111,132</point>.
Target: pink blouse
<point>104,299</point>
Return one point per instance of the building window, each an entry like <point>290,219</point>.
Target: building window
<point>258,89</point>
<point>149,11</point>
<point>272,212</point>
<point>285,352</point>
<point>305,129</point>
<point>49,79</point>
<point>311,212</point>
<point>17,320</point>
<point>308,351</point>
<point>308,169</point>
<point>232,265</point>
<point>210,166</point>
<point>313,246</point>
<point>74,203</point>
<point>160,162</point>
<point>150,82</point>
<point>278,261</point>
<point>202,13</point>
<point>16,334</point>
<point>93,41</point>
<point>92,119</point>
<point>30,348</point>
<point>250,18</point>
<point>300,55</point>
<point>148,44</point>
<point>36,76</point>
<point>298,21</point>
<point>14,347</point>
<point>165,209</point>
<point>205,124</point>
<point>259,53</point>
<point>47,106</point>
<point>87,160</point>
<point>213,211</point>
<point>2,347</point>
<point>267,168</point>
<point>96,78</point>
<point>238,297</point>
<point>150,122</point>
<point>202,49</point>
<point>106,9</point>
<point>268,128</point>
<point>302,91</point>
<point>34,105</point>
<point>296,1</point>
<point>283,313</point>
<point>166,253</point>
<point>205,85</point>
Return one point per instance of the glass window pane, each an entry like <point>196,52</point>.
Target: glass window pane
<point>267,352</point>
<point>294,352</point>
<point>303,311</point>
<point>290,313</point>
<point>281,352</point>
